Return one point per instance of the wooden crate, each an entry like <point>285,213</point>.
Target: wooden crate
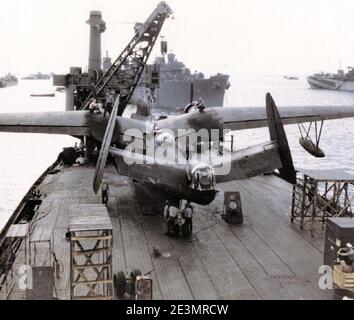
<point>343,280</point>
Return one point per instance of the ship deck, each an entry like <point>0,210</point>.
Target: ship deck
<point>265,258</point>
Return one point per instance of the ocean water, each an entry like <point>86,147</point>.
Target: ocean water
<point>337,139</point>
<point>23,157</point>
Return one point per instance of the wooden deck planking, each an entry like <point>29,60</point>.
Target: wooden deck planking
<point>169,273</point>
<point>134,244</point>
<point>226,276</point>
<point>119,261</point>
<point>284,241</point>
<point>62,252</point>
<point>90,200</point>
<point>199,282</point>
<point>264,284</point>
<point>280,191</point>
<point>266,258</point>
<point>63,211</point>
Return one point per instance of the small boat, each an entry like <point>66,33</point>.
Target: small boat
<point>50,95</point>
<point>38,76</point>
<point>60,89</point>
<point>290,77</point>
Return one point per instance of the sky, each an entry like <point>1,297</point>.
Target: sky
<point>263,37</point>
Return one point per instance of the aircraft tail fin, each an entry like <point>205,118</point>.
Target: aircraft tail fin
<point>277,133</point>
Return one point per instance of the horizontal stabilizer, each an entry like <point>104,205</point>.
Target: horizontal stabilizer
<point>251,162</point>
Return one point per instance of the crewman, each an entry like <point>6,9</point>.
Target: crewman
<point>167,218</point>
<point>165,211</point>
<point>170,214</point>
<point>95,154</point>
<point>104,192</point>
<point>93,89</point>
<point>200,105</point>
<point>131,283</point>
<point>79,149</point>
<point>109,104</point>
<point>188,216</point>
<point>93,107</point>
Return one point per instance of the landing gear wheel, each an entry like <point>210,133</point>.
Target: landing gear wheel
<point>176,229</point>
<point>187,230</point>
<point>120,284</point>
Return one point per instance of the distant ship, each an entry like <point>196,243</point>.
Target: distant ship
<point>43,95</point>
<point>38,76</point>
<point>178,86</point>
<point>340,81</point>
<point>8,81</point>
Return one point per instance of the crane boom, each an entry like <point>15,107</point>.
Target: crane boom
<point>125,72</point>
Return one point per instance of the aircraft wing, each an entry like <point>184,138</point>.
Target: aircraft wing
<point>236,118</point>
<point>75,123</point>
<point>65,122</point>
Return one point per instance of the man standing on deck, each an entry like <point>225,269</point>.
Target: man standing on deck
<point>109,104</point>
<point>188,216</point>
<point>93,107</point>
<point>170,214</point>
<point>104,192</point>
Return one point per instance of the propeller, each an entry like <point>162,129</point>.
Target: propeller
<point>277,133</point>
<point>106,143</point>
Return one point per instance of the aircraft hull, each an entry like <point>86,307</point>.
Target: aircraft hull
<point>164,182</point>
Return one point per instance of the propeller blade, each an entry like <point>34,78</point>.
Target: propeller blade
<point>106,143</point>
<point>277,133</point>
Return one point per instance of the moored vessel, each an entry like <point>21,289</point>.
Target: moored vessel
<point>38,76</point>
<point>178,86</point>
<point>8,81</point>
<point>340,81</point>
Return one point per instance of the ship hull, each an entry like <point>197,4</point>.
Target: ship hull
<point>174,95</point>
<point>321,82</point>
<point>5,84</point>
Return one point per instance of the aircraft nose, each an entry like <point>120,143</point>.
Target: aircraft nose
<point>203,178</point>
